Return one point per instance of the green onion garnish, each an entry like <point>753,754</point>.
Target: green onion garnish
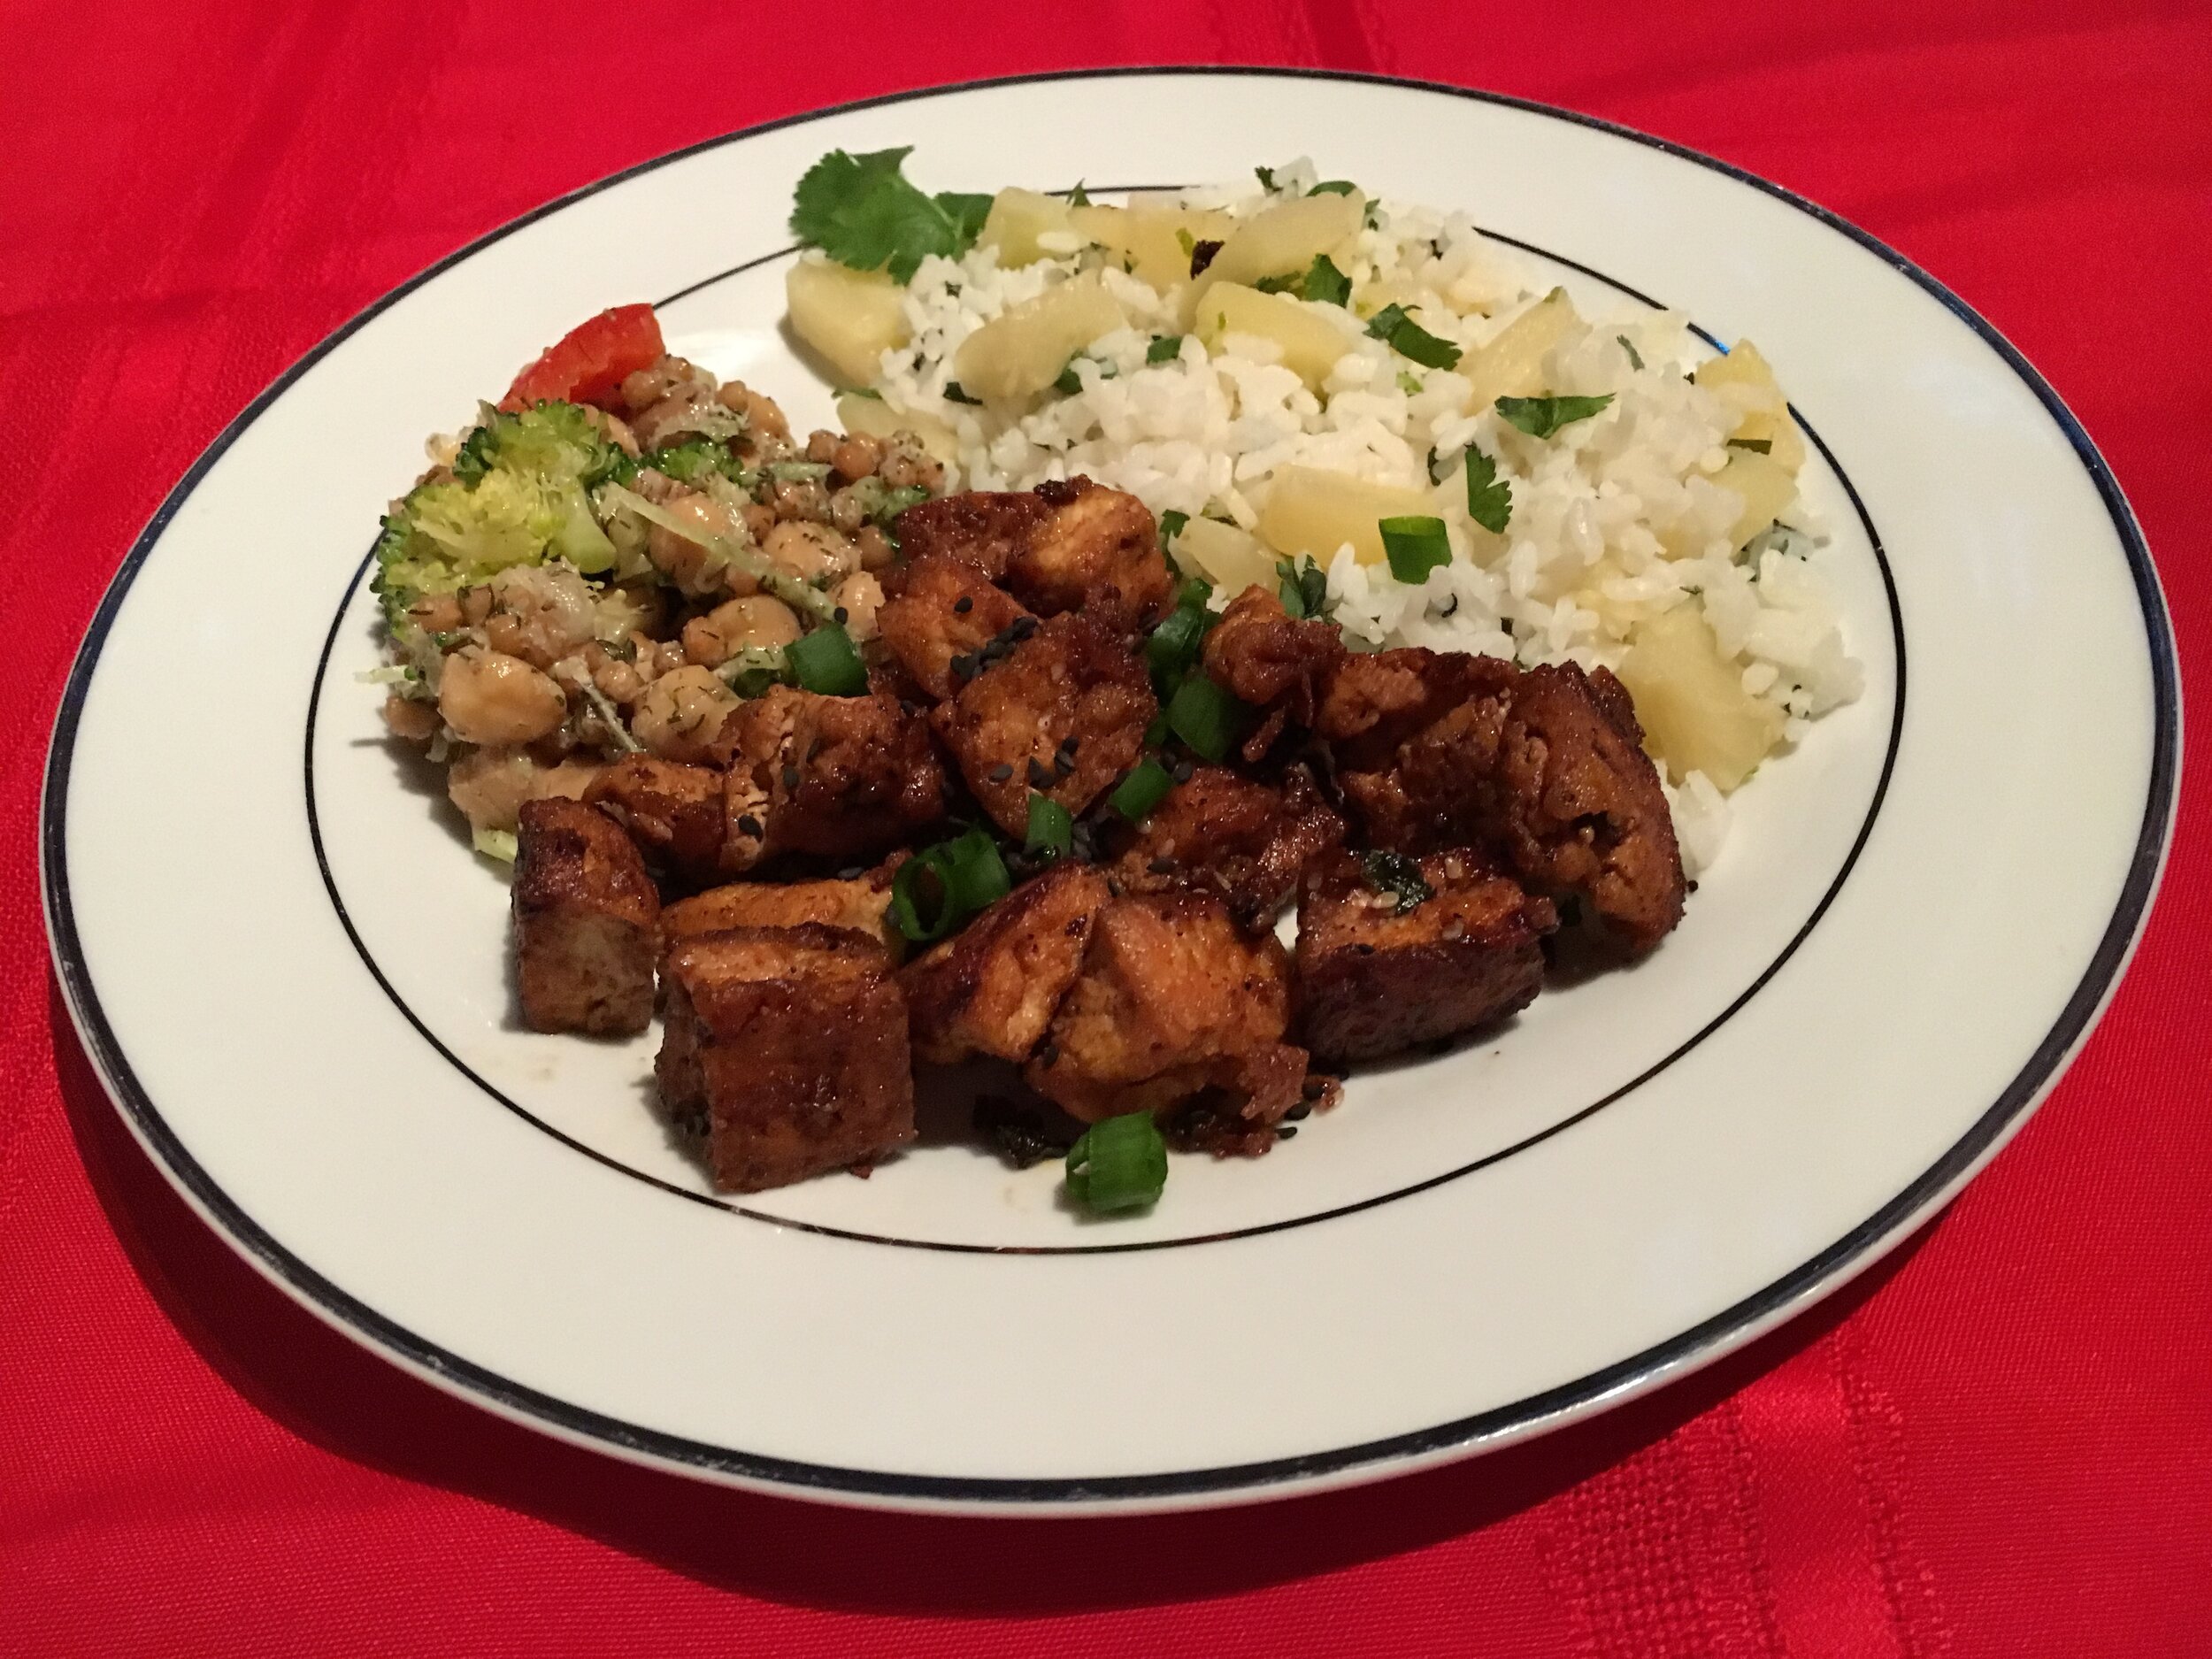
<point>1415,544</point>
<point>1540,416</point>
<point>1408,339</point>
<point>1205,716</point>
<point>1051,831</point>
<point>1174,645</point>
<point>942,886</point>
<point>1334,187</point>
<point>1144,788</point>
<point>825,661</point>
<point>1119,1164</point>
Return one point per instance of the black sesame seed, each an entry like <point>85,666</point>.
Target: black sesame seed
<point>1162,867</point>
<point>963,666</point>
<point>852,872</point>
<point>1285,1132</point>
<point>1113,889</point>
<point>1040,774</point>
<point>1024,626</point>
<point>1183,769</point>
<point>790,776</point>
<point>1316,1087</point>
<point>1069,745</point>
<point>840,615</point>
<point>1049,1055</point>
<point>750,825</point>
<point>1364,950</point>
<point>962,605</point>
<point>1299,1113</point>
<point>1004,770</point>
<point>1063,762</point>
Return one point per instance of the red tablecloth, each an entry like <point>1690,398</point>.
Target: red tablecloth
<point>2001,1444</point>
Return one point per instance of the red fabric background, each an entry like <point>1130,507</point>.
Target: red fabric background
<point>1999,1446</point>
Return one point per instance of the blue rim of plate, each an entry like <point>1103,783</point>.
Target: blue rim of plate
<point>1703,1341</point>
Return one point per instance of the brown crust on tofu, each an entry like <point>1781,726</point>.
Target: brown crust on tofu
<point>992,988</point>
<point>584,919</point>
<point>861,906</point>
<point>1173,1000</point>
<point>671,809</point>
<point>943,609</point>
<point>1246,840</point>
<point>839,778</point>
<point>785,1052</point>
<point>1273,661</point>
<point>1073,679</point>
<point>1067,545</point>
<point>1374,979</point>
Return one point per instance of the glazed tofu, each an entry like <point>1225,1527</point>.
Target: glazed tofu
<point>1062,713</point>
<point>861,906</point>
<point>671,809</point>
<point>1273,661</point>
<point>1243,839</point>
<point>785,1052</point>
<point>992,988</point>
<point>1067,545</point>
<point>842,778</point>
<point>1377,974</point>
<point>943,614</point>
<point>1574,804</point>
<point>584,919</point>
<point>1173,1001</point>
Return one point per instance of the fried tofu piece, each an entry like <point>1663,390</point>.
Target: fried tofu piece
<point>861,906</point>
<point>673,810</point>
<point>1173,1001</point>
<point>992,988</point>
<point>843,777</point>
<point>1574,805</point>
<point>1063,714</point>
<point>1375,977</point>
<point>942,616</point>
<point>586,916</point>
<point>1273,661</point>
<point>1242,838</point>
<point>1067,545</point>
<point>785,1052</point>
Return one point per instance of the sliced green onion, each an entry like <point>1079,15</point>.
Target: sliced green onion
<point>1119,1164</point>
<point>1408,339</point>
<point>1173,646</point>
<point>1540,416</point>
<point>1205,716</point>
<point>1326,283</point>
<point>1334,187</point>
<point>502,845</point>
<point>942,886</point>
<point>1409,383</point>
<point>1415,544</point>
<point>978,874</point>
<point>826,661</point>
<point>1052,830</point>
<point>1166,348</point>
<point>1140,791</point>
<point>1635,357</point>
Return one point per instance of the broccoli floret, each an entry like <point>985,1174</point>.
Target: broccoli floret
<point>448,535</point>
<point>696,458</point>
<point>549,440</point>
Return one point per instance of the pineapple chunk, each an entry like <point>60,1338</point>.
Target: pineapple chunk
<point>873,418</point>
<point>1232,559</point>
<point>1310,345</point>
<point>1282,240</point>
<point>1016,218</point>
<point>1145,240</point>
<point>1746,380</point>
<point>1020,352</point>
<point>1696,715</point>
<point>1764,487</point>
<point>849,318</point>
<point>1512,365</point>
<point>1312,510</point>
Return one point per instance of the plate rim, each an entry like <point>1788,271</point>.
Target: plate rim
<point>1686,1350</point>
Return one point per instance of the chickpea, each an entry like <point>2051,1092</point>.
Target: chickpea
<point>846,512</point>
<point>541,613</point>
<point>907,467</point>
<point>820,446</point>
<point>618,683</point>
<point>491,697</point>
<point>764,419</point>
<point>685,562</point>
<point>759,521</point>
<point>618,430</point>
<point>668,656</point>
<point>758,623</point>
<point>856,458</point>
<point>874,547</point>
<point>630,607</point>
<point>410,718</point>
<point>439,613</point>
<point>681,712</point>
<point>859,596</point>
<point>809,550</point>
<point>799,498</point>
<point>490,785</point>
<point>476,604</point>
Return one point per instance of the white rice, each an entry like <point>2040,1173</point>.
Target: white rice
<point>1631,488</point>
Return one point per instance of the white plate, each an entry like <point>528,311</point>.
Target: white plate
<point>292,976</point>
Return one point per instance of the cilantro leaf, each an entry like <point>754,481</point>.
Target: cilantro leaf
<point>1489,499</point>
<point>1408,339</point>
<point>1334,187</point>
<point>1164,348</point>
<point>862,212</point>
<point>1079,196</point>
<point>1635,357</point>
<point>1324,282</point>
<point>1540,416</point>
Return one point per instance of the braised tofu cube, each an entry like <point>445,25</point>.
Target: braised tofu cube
<point>1382,968</point>
<point>1414,733</point>
<point>861,906</point>
<point>785,1052</point>
<point>1244,839</point>
<point>992,988</point>
<point>839,778</point>
<point>1067,545</point>
<point>943,613</point>
<point>1061,714</point>
<point>672,809</point>
<point>1267,658</point>
<point>1574,802</point>
<point>584,919</point>
<point>1173,1001</point>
